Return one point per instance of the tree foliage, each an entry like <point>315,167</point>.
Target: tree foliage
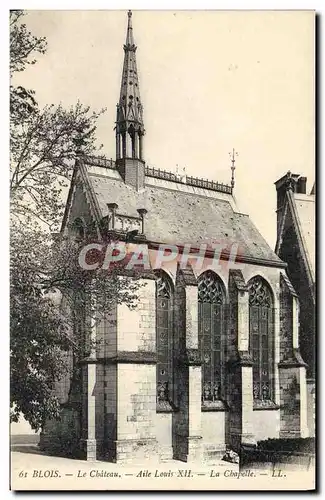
<point>44,147</point>
<point>44,143</point>
<point>37,331</point>
<point>23,45</point>
<point>49,290</point>
<point>42,273</point>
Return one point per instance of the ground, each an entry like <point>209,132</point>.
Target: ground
<point>31,469</point>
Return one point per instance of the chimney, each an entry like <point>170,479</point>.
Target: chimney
<point>142,212</point>
<point>285,183</point>
<point>302,185</point>
<point>112,207</point>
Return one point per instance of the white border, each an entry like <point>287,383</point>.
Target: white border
<point>4,198</point>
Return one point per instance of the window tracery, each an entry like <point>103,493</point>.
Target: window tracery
<point>164,339</point>
<point>211,315</point>
<point>261,338</point>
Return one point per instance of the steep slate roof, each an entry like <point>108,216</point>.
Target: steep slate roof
<point>180,214</point>
<point>305,207</point>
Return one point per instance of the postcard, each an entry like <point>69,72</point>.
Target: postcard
<point>162,206</point>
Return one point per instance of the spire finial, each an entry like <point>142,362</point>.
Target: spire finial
<point>129,34</point>
<point>233,156</point>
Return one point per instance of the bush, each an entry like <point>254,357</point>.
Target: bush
<point>279,450</point>
<point>299,445</point>
<point>63,435</point>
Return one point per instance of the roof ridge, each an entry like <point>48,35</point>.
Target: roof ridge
<point>99,161</point>
<point>167,175</point>
<point>191,180</point>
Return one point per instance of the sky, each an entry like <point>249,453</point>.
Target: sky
<point>210,81</point>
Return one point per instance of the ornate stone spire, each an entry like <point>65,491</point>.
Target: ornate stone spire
<point>129,119</point>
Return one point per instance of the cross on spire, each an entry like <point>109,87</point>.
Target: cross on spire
<point>233,156</point>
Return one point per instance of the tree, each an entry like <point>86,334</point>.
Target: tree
<point>37,331</point>
<point>43,148</point>
<point>44,143</point>
<point>43,272</point>
<point>22,43</point>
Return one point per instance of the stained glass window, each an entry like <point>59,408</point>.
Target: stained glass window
<point>261,338</point>
<point>164,339</point>
<point>211,317</point>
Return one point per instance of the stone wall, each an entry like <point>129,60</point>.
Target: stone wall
<point>292,369</point>
<point>290,403</point>
<point>311,413</point>
<point>213,434</point>
<point>120,421</point>
<point>187,419</point>
<point>136,329</point>
<point>266,424</point>
<point>110,411</point>
<point>164,435</point>
<point>136,410</point>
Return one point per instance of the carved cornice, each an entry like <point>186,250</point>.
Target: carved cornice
<point>136,357</point>
<point>147,274</point>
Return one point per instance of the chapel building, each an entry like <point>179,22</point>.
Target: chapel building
<point>210,357</point>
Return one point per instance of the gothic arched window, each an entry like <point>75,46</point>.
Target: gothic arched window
<point>211,317</point>
<point>261,338</point>
<point>164,339</point>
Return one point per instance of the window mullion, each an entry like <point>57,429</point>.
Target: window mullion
<point>270,347</point>
<point>170,347</point>
<point>260,317</point>
<point>222,345</point>
<point>212,350</point>
<point>262,347</point>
